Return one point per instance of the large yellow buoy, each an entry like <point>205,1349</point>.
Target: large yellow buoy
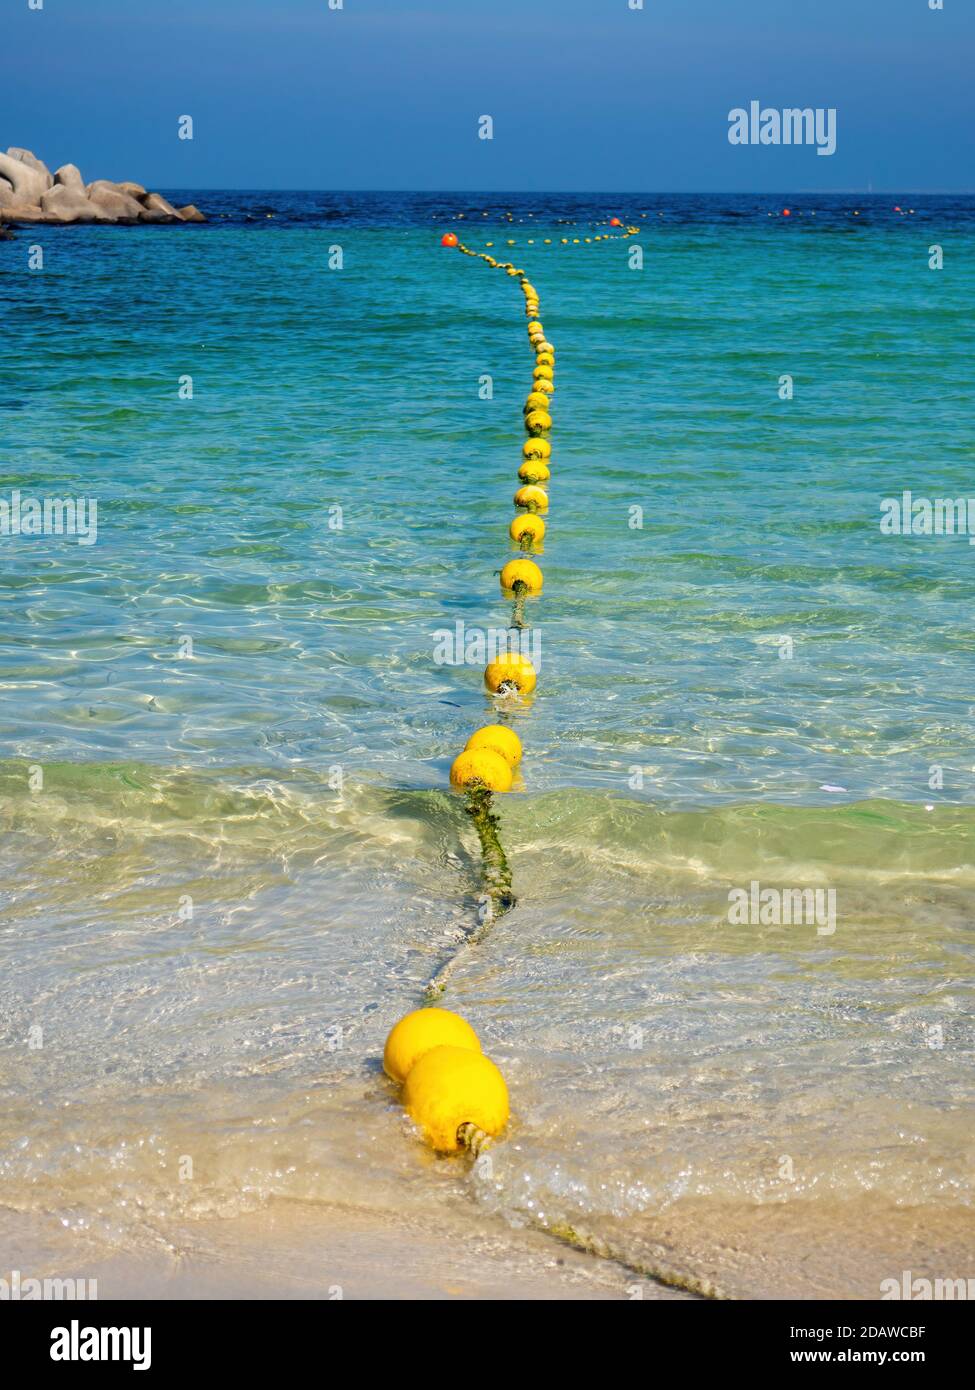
<point>536,449</point>
<point>451,1086</point>
<point>534,471</point>
<point>522,572</point>
<point>531,496</point>
<point>418,1032</point>
<point>530,524</point>
<point>501,740</point>
<point>514,671</point>
<point>481,766</point>
<point>537,400</point>
<point>538,421</point>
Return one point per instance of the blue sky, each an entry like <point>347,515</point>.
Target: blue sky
<point>585,94</point>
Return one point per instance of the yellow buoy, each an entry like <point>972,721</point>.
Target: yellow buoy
<point>514,671</point>
<point>528,525</point>
<point>544,383</point>
<point>538,421</point>
<point>522,572</point>
<point>545,349</point>
<point>480,765</point>
<point>543,371</point>
<point>449,1087</point>
<point>501,740</point>
<point>537,400</point>
<point>418,1032</point>
<point>535,326</point>
<point>536,449</point>
<point>545,359</point>
<point>534,471</point>
<point>526,496</point>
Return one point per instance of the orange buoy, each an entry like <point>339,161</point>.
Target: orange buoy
<point>448,239</point>
<point>615,222</point>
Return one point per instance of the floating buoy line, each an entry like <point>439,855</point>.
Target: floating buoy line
<point>455,1094</point>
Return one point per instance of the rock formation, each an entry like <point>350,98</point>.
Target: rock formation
<point>29,193</point>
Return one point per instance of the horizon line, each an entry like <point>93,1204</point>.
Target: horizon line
<point>602,193</point>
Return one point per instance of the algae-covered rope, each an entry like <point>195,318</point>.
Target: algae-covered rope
<point>661,1274</point>
<point>520,592</point>
<point>497,894</point>
<point>496,871</point>
<point>476,1142</point>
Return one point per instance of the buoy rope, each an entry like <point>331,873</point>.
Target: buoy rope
<point>497,893</point>
<point>498,896</point>
<point>518,618</point>
<point>475,1142</point>
<point>660,1273</point>
<point>494,861</point>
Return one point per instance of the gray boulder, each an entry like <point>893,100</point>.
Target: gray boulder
<point>24,212</point>
<point>68,205</point>
<point>116,200</point>
<point>103,186</point>
<point>70,176</point>
<point>27,182</point>
<point>118,207</point>
<point>156,203</point>
<point>28,193</point>
<point>30,159</point>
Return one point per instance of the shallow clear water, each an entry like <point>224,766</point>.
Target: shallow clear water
<point>288,776</point>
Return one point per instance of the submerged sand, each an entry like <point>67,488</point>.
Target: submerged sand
<point>304,1251</point>
<point>300,1250</point>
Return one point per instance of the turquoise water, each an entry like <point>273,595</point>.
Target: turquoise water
<point>287,773</point>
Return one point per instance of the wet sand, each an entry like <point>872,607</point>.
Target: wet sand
<point>300,1251</point>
